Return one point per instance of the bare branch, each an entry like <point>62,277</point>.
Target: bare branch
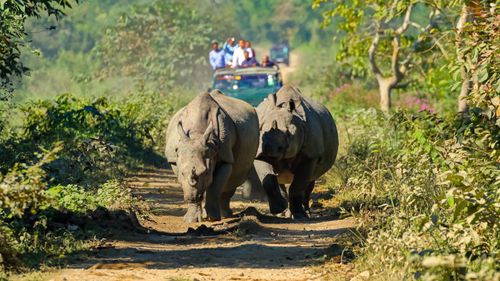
<point>427,29</point>
<point>406,22</point>
<point>405,65</point>
<point>396,48</point>
<point>391,10</point>
<point>371,55</point>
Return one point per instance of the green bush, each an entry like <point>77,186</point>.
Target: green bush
<point>77,199</point>
<point>67,158</point>
<point>431,187</point>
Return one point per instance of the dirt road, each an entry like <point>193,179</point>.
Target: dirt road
<point>251,246</point>
<point>286,71</point>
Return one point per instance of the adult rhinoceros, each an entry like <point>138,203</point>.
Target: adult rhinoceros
<point>298,144</point>
<point>211,144</point>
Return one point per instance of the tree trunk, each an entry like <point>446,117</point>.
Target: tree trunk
<point>464,91</point>
<point>385,89</point>
<point>466,16</point>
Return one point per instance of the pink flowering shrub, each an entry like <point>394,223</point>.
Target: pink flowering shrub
<point>416,103</point>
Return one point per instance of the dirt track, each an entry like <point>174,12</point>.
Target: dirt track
<point>252,246</point>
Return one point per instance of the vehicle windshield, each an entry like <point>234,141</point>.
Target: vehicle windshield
<point>255,81</point>
<point>276,52</point>
<point>223,82</point>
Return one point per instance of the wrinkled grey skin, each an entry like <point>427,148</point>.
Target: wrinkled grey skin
<point>298,144</point>
<point>211,144</point>
<point>252,188</point>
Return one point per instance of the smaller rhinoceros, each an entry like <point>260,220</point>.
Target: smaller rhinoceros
<point>298,144</point>
<point>211,145</point>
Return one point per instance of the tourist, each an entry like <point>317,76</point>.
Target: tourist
<point>216,57</point>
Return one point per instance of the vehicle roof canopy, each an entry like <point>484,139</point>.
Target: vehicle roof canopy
<point>246,71</point>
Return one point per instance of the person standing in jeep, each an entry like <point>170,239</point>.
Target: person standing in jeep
<point>238,56</point>
<point>216,57</point>
<point>228,48</point>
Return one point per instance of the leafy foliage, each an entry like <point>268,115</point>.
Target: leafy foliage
<point>13,14</point>
<point>68,156</point>
<point>22,189</point>
<point>403,44</point>
<point>481,49</point>
<point>427,191</point>
<point>283,20</point>
<point>161,43</point>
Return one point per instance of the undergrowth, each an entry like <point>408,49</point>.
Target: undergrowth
<point>62,169</point>
<point>425,192</point>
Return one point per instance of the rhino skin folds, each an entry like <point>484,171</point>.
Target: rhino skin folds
<point>298,144</point>
<point>211,144</point>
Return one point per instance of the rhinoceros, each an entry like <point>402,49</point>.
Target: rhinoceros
<point>298,144</point>
<point>211,144</point>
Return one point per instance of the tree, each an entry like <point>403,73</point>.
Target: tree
<point>13,14</point>
<point>162,43</point>
<point>477,54</point>
<point>393,35</point>
<point>279,20</point>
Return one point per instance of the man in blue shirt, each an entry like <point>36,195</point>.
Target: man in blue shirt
<point>249,61</point>
<point>216,57</point>
<point>266,62</point>
<point>228,48</point>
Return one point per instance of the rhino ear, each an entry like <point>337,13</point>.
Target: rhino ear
<point>272,99</point>
<point>296,107</point>
<point>180,130</point>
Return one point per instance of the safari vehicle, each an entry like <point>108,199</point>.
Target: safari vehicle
<point>280,54</point>
<point>251,84</point>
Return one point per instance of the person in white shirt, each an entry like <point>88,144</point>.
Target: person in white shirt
<point>248,47</point>
<point>239,56</point>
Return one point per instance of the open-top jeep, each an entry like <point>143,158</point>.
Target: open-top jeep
<point>251,84</point>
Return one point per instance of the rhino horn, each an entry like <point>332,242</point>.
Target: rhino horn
<point>275,125</point>
<point>180,130</point>
<point>295,105</point>
<point>291,105</point>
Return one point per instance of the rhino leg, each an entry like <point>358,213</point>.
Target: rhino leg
<point>277,202</point>
<point>252,187</point>
<point>193,213</point>
<point>297,190</point>
<point>307,196</point>
<point>225,210</point>
<point>214,192</point>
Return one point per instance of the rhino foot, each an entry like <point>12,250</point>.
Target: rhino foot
<point>277,206</point>
<point>300,215</point>
<point>194,213</point>
<point>227,213</point>
<point>213,213</point>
